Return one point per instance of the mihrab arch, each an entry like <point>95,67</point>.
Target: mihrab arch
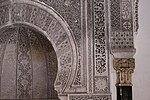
<point>48,22</point>
<point>28,65</point>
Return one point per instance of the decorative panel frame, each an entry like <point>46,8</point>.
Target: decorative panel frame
<point>101,48</point>
<point>89,97</point>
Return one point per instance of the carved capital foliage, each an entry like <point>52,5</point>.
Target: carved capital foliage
<point>124,68</point>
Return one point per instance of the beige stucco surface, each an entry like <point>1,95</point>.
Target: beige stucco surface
<point>141,76</point>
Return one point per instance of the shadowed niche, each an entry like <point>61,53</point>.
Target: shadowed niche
<point>28,65</point>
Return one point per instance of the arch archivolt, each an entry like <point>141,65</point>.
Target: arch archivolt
<point>50,24</point>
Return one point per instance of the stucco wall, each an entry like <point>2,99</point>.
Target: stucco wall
<point>141,76</point>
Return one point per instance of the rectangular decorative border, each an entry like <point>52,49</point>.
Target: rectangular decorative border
<point>101,78</point>
<point>89,97</point>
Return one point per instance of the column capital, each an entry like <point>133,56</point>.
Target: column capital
<point>124,68</point>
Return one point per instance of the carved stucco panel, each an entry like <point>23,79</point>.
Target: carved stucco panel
<point>101,66</point>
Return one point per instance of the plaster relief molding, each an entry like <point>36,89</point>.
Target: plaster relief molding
<point>73,12</point>
<point>124,68</point>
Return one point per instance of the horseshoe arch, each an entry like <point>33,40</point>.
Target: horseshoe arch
<point>46,20</point>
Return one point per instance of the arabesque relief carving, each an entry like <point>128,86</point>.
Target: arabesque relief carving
<point>83,33</point>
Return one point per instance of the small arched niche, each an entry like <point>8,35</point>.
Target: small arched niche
<point>28,64</point>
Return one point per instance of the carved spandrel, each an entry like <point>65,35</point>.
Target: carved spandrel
<point>71,11</point>
<point>124,68</point>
